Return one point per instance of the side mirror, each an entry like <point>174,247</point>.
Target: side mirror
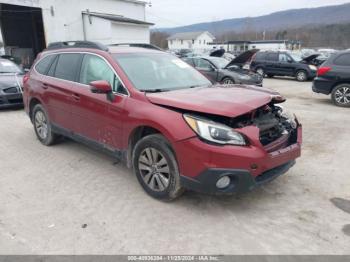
<point>102,87</point>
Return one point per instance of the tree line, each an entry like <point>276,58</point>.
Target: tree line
<point>335,36</point>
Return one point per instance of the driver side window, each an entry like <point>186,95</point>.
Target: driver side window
<point>284,58</point>
<point>95,68</point>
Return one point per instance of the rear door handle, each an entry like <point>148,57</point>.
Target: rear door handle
<point>76,97</point>
<point>45,86</point>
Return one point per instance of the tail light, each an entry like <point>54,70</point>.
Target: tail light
<point>323,70</point>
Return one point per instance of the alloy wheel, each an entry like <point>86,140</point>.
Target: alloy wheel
<point>154,169</point>
<point>260,71</point>
<point>301,76</point>
<point>228,81</point>
<point>342,95</point>
<point>41,124</point>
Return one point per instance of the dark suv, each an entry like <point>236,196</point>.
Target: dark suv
<point>162,117</point>
<point>333,77</point>
<point>283,64</point>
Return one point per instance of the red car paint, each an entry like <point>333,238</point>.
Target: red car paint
<point>74,107</point>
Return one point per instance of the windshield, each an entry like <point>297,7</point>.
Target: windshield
<point>219,62</point>
<point>160,72</point>
<point>9,67</point>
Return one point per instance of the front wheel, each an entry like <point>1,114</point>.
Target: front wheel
<point>341,95</point>
<point>156,168</point>
<point>42,126</point>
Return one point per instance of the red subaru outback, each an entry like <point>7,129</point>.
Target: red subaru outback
<point>162,117</point>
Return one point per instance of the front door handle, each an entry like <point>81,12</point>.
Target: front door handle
<point>76,97</point>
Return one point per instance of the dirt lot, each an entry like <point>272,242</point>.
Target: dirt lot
<point>70,199</point>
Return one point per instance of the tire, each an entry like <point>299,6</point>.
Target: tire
<point>42,126</point>
<point>228,81</point>
<point>341,95</point>
<point>156,168</point>
<point>301,76</point>
<point>270,76</point>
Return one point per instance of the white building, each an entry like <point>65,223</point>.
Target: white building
<point>196,41</point>
<point>241,46</point>
<point>32,24</point>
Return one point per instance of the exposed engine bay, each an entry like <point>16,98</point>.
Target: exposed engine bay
<point>278,128</point>
<point>273,122</point>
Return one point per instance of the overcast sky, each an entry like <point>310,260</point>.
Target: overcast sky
<point>173,13</point>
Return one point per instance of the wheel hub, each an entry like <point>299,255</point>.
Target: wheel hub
<point>154,169</point>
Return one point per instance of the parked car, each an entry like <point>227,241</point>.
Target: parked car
<point>219,70</point>
<point>162,117</point>
<point>274,63</point>
<point>333,77</point>
<point>11,78</point>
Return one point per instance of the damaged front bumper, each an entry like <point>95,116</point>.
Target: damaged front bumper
<point>202,165</point>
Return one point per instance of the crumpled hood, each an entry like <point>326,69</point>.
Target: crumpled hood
<point>229,101</point>
<point>10,80</point>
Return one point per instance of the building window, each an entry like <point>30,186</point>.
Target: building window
<point>182,42</point>
<point>204,41</point>
<point>200,41</point>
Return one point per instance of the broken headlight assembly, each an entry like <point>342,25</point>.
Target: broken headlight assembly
<point>214,132</point>
<point>290,118</point>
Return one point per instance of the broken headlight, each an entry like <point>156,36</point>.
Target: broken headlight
<point>284,113</point>
<point>214,132</point>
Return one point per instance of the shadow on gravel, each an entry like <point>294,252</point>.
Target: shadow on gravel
<point>342,204</point>
<point>346,230</point>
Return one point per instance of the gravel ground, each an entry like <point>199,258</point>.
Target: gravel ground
<point>69,199</point>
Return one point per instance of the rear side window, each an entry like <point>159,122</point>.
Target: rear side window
<point>272,57</point>
<point>43,66</point>
<point>343,60</point>
<point>68,65</point>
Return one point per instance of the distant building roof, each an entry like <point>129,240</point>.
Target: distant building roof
<point>117,18</point>
<point>189,35</point>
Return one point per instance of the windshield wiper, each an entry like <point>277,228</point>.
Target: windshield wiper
<point>156,90</point>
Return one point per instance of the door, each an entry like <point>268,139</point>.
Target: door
<point>286,64</point>
<point>98,119</point>
<point>206,68</point>
<point>271,63</point>
<point>59,84</point>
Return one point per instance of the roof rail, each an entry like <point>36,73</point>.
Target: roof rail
<point>77,44</point>
<point>141,45</point>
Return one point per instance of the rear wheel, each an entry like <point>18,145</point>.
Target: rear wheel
<point>228,81</point>
<point>270,76</point>
<point>156,168</point>
<point>341,95</point>
<point>42,126</point>
<point>301,76</point>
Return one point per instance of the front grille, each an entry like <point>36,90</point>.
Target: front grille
<point>15,101</point>
<point>11,90</point>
